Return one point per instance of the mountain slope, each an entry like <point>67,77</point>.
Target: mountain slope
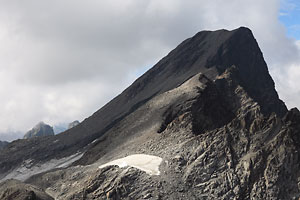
<point>206,52</point>
<point>3,144</point>
<point>209,110</point>
<point>249,156</point>
<point>209,53</point>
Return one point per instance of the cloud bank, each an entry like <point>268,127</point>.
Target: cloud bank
<point>63,60</point>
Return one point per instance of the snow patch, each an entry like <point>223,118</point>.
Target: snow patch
<point>147,163</point>
<point>28,169</point>
<point>94,141</point>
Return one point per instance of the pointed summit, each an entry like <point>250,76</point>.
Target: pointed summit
<point>211,53</point>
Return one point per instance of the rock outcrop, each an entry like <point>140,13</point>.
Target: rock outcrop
<point>16,190</point>
<point>208,111</point>
<point>41,129</point>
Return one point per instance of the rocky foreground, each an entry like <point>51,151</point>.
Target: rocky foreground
<point>203,123</point>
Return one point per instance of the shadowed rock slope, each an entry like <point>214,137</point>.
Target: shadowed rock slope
<point>209,109</point>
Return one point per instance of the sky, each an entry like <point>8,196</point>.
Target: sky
<point>289,15</point>
<point>61,61</point>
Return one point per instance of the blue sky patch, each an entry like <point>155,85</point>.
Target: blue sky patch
<point>290,16</point>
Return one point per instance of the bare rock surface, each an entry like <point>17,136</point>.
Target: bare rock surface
<point>16,190</point>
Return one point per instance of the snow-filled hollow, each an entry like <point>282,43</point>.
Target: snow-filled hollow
<point>147,163</point>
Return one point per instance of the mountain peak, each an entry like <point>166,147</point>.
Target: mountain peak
<point>207,116</point>
<point>211,53</point>
<point>73,124</point>
<point>40,129</point>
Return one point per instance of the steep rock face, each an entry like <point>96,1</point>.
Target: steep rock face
<point>208,109</point>
<point>41,129</point>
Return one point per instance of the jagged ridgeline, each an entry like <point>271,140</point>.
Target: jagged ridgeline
<point>204,123</point>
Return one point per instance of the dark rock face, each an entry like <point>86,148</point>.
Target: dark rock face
<point>41,129</point>
<point>3,144</point>
<point>73,124</point>
<point>209,109</point>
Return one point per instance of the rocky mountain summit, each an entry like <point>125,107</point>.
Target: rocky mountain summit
<point>204,123</point>
<point>41,129</point>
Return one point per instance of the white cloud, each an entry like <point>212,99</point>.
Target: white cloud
<point>61,61</point>
<point>287,79</point>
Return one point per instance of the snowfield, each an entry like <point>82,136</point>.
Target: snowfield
<point>147,163</point>
<point>27,169</point>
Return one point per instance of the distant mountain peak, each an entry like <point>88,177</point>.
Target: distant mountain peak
<point>40,129</point>
<point>73,124</point>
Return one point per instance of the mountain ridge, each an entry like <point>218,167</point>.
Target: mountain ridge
<point>129,101</point>
<point>208,110</point>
